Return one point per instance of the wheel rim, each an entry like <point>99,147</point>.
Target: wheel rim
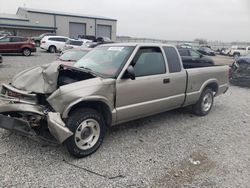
<point>207,102</point>
<point>26,52</point>
<point>87,134</point>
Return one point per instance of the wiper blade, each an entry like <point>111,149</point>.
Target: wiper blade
<point>86,68</point>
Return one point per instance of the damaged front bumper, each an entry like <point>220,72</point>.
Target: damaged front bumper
<point>55,124</point>
<point>57,127</point>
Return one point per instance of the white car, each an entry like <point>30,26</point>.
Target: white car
<point>53,44</point>
<point>75,43</point>
<point>238,51</point>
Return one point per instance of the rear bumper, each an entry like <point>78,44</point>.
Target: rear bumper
<point>222,89</point>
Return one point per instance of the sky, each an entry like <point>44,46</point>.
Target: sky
<point>222,20</point>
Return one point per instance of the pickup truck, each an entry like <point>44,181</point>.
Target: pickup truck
<point>237,51</point>
<point>112,84</point>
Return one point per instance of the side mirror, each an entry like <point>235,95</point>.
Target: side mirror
<point>130,72</point>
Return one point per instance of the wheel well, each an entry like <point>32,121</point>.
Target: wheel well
<point>25,48</point>
<point>100,107</point>
<point>52,46</point>
<point>236,53</point>
<point>213,86</point>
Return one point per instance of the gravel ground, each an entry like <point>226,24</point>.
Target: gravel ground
<point>172,149</point>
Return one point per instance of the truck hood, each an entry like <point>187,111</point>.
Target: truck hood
<point>39,79</point>
<point>47,78</point>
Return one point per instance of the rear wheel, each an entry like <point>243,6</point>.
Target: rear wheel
<point>205,103</point>
<point>26,52</point>
<point>52,49</point>
<point>88,127</point>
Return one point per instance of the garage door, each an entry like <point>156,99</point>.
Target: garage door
<point>76,29</point>
<point>104,31</point>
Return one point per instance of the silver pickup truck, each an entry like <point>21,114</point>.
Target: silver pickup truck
<point>113,83</point>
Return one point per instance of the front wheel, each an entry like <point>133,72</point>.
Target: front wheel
<point>205,103</point>
<point>88,127</point>
<point>52,49</point>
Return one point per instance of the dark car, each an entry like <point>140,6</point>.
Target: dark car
<point>193,59</point>
<point>206,51</point>
<point>240,71</point>
<point>38,39</point>
<point>14,44</point>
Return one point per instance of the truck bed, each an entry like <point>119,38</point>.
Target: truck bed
<point>199,78</point>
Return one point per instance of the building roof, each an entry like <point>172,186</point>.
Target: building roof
<point>12,17</point>
<point>64,13</point>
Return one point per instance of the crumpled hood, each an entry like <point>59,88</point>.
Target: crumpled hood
<point>39,79</point>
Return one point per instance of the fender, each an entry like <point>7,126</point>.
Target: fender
<point>93,98</point>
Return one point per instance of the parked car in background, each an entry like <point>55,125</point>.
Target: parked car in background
<point>1,59</point>
<point>98,41</point>
<point>69,57</point>
<point>239,51</point>
<point>240,71</point>
<point>53,44</point>
<point>14,44</point>
<point>206,51</point>
<point>192,58</point>
<point>5,33</point>
<point>38,39</point>
<point>73,43</point>
<point>224,51</point>
<point>111,84</point>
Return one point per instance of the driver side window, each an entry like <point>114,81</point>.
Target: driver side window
<point>149,61</point>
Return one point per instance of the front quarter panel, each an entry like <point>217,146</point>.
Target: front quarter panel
<point>96,89</point>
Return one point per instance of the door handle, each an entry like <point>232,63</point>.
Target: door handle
<point>166,80</point>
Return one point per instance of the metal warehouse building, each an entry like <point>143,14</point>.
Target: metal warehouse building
<point>33,22</point>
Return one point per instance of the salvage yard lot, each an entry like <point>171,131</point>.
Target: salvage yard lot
<point>172,149</point>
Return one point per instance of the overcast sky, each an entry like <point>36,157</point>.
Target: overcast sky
<point>224,20</point>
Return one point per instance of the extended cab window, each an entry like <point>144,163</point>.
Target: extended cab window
<point>174,63</point>
<point>149,61</point>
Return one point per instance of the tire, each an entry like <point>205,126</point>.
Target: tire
<point>26,52</point>
<point>89,128</point>
<point>52,49</point>
<point>37,43</point>
<point>205,103</point>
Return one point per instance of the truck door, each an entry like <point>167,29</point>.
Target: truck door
<point>152,91</point>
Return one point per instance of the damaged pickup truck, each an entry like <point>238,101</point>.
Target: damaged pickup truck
<point>113,83</point>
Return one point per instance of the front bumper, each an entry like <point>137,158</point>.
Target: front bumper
<point>18,125</point>
<point>55,124</point>
<point>57,127</point>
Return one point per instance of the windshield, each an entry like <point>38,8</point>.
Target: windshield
<point>72,55</point>
<point>106,60</point>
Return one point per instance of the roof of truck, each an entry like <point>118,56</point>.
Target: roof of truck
<point>136,44</point>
